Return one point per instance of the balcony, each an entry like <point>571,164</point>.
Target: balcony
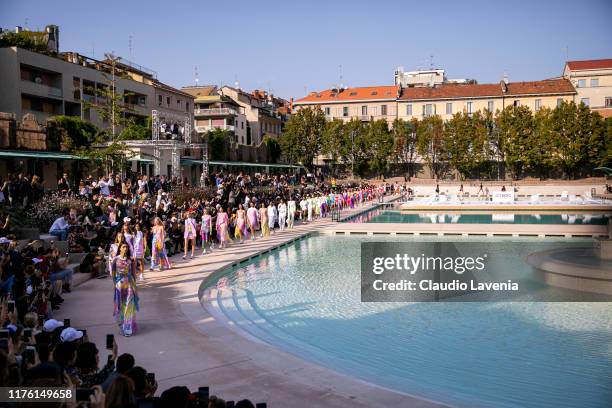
<point>216,112</point>
<point>36,89</point>
<point>208,128</point>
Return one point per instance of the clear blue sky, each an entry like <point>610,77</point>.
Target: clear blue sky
<point>291,46</point>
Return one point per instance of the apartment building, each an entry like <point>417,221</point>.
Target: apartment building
<point>448,99</point>
<point>593,82</point>
<point>215,111</point>
<point>46,86</point>
<point>260,111</point>
<point>363,103</point>
<point>391,102</point>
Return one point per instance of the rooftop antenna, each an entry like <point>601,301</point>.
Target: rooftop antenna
<point>236,83</point>
<point>566,53</point>
<point>431,64</point>
<point>130,47</point>
<point>196,75</point>
<point>93,49</point>
<point>341,84</point>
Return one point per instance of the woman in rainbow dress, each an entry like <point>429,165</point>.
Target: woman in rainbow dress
<point>126,299</point>
<point>159,257</point>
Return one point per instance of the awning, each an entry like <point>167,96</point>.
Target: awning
<point>241,164</point>
<point>140,159</point>
<point>40,155</point>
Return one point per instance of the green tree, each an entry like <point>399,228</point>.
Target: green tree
<point>301,141</point>
<point>353,151</point>
<point>541,152</point>
<point>274,148</point>
<point>72,132</point>
<point>334,138</point>
<point>405,144</point>
<point>466,142</point>
<point>516,131</point>
<point>109,147</point>
<point>430,144</point>
<point>29,40</point>
<point>218,144</point>
<point>379,145</point>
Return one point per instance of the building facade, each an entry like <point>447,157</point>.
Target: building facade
<point>363,103</point>
<point>593,82</point>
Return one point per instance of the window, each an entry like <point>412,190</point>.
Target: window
<point>581,83</point>
<point>490,106</point>
<point>159,100</point>
<point>409,109</point>
<point>586,101</point>
<point>428,109</point>
<point>383,110</point>
<point>242,125</point>
<point>608,101</point>
<point>470,107</point>
<point>559,102</point>
<point>449,108</point>
<point>76,83</point>
<point>364,110</point>
<point>595,82</point>
<point>187,106</point>
<point>517,103</point>
<point>538,104</point>
<point>345,111</point>
<point>178,103</point>
<point>327,111</point>
<point>168,101</point>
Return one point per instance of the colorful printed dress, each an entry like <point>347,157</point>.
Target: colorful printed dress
<point>126,299</point>
<point>159,257</point>
<point>139,247</point>
<point>190,229</point>
<point>205,228</point>
<point>222,227</point>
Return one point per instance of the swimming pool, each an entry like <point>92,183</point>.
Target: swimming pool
<point>305,299</point>
<point>382,215</point>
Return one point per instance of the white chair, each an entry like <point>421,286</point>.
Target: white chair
<point>564,196</point>
<point>535,198</point>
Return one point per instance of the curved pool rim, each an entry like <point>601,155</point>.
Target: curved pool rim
<point>206,303</point>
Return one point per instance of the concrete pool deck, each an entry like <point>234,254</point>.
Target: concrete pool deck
<point>183,344</point>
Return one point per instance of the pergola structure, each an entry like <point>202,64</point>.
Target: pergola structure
<point>175,144</point>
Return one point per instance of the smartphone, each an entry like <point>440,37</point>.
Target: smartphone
<point>110,339</point>
<point>11,306</point>
<point>82,394</point>
<point>4,334</point>
<point>203,393</point>
<point>27,334</point>
<point>30,354</point>
<point>66,322</point>
<point>151,378</point>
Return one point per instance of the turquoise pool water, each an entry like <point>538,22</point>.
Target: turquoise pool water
<point>305,299</point>
<point>391,216</point>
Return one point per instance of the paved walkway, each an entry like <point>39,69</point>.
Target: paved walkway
<point>183,344</point>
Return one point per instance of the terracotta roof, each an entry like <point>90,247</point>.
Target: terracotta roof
<point>551,86</point>
<point>540,87</point>
<point>352,94</point>
<point>590,64</point>
<point>452,91</point>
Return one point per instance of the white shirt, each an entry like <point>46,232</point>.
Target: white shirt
<point>104,190</point>
<point>282,210</point>
<point>59,224</point>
